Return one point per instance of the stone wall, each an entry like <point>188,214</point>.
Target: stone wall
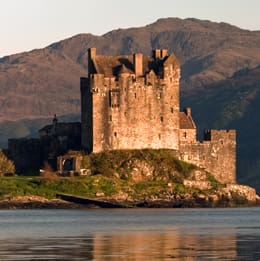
<point>187,135</point>
<point>217,154</point>
<point>86,114</point>
<point>131,112</point>
<point>27,154</point>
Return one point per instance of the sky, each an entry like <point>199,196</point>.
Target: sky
<point>31,24</point>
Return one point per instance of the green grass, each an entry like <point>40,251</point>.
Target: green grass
<point>112,174</point>
<point>214,183</point>
<point>81,186</point>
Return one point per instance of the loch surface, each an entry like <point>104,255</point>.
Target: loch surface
<point>130,234</point>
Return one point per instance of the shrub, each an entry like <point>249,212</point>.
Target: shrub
<point>6,165</point>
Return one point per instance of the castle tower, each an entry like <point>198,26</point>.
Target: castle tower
<point>131,102</point>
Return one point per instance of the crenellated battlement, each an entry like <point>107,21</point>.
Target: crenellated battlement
<point>219,135</point>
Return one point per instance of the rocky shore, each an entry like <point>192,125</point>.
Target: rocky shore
<point>232,195</point>
<point>228,197</point>
<point>36,202</point>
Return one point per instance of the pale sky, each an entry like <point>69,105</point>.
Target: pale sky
<point>31,24</point>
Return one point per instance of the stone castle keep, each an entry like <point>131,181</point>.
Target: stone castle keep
<point>133,102</point>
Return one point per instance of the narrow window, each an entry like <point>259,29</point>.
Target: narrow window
<point>110,117</point>
<point>171,110</point>
<point>115,134</point>
<point>114,98</point>
<point>161,118</point>
<point>185,134</point>
<point>135,95</point>
<point>159,136</point>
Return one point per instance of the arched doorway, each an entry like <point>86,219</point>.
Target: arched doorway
<point>67,164</point>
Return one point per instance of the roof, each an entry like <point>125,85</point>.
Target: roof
<point>171,59</point>
<point>124,69</point>
<point>186,122</point>
<point>61,129</point>
<point>113,65</point>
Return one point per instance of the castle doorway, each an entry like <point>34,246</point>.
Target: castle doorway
<point>68,164</point>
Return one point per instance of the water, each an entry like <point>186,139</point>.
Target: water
<point>133,234</point>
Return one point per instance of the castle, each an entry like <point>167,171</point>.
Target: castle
<point>133,102</point>
<point>129,102</point>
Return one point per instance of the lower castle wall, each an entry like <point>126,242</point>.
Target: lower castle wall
<point>216,157</point>
<point>27,154</point>
<point>187,135</point>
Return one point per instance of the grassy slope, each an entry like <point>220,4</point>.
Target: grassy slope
<point>114,173</point>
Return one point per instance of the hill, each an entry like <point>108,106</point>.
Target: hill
<point>219,78</point>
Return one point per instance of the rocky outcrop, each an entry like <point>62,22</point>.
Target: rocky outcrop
<point>31,202</point>
<point>241,192</point>
<point>229,196</point>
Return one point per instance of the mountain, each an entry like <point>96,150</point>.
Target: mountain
<point>220,79</point>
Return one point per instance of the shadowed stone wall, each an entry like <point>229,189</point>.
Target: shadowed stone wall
<point>217,154</point>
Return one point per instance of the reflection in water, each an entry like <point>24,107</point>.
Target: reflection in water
<point>164,246</point>
<point>181,235</point>
<point>133,246</point>
<point>47,249</point>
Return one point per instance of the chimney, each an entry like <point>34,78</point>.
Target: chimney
<point>138,64</point>
<point>164,53</point>
<point>156,54</point>
<point>188,111</point>
<point>91,55</point>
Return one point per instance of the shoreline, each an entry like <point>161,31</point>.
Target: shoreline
<point>35,202</point>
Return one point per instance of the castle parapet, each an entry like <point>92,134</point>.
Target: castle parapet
<point>217,154</point>
<point>220,135</point>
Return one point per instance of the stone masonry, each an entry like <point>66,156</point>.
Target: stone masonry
<point>132,102</point>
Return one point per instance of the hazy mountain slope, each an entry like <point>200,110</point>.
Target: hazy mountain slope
<point>43,82</point>
<point>208,51</point>
<point>38,84</point>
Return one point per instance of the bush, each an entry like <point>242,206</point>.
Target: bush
<point>6,165</point>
